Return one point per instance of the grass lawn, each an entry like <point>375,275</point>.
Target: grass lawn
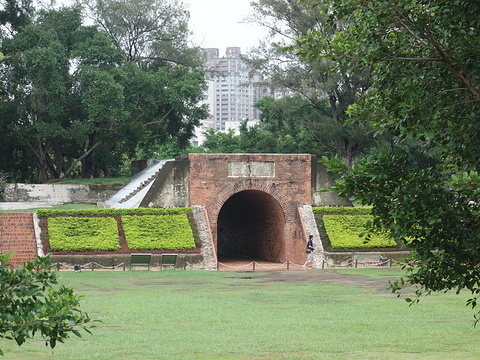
<point>253,315</point>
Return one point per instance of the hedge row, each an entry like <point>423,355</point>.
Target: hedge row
<point>99,230</point>
<point>158,232</point>
<point>344,233</point>
<point>112,212</point>
<point>83,233</point>
<point>343,210</point>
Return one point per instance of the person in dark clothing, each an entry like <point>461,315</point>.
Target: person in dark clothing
<point>310,249</point>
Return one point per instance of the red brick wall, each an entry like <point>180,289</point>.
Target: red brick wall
<point>17,235</point>
<point>211,187</point>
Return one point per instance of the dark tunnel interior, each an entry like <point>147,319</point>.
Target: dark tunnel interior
<point>250,225</point>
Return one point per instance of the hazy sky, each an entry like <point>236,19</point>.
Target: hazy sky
<point>217,23</point>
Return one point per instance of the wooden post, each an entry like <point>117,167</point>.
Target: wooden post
<point>323,264</point>
<point>253,265</point>
<point>356,263</point>
<point>93,264</point>
<point>390,262</point>
<point>288,265</point>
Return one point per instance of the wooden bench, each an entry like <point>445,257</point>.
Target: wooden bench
<point>169,260</point>
<point>140,259</point>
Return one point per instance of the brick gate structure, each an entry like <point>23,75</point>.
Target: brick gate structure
<point>255,206</point>
<point>251,201</point>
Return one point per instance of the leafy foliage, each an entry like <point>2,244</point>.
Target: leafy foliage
<point>73,105</point>
<point>343,210</point>
<point>345,232</point>
<point>83,233</point>
<point>112,212</point>
<point>146,30</point>
<point>322,89</point>
<point>104,229</point>
<point>425,86</point>
<point>32,302</point>
<point>158,232</point>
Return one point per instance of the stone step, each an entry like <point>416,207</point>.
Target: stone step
<point>139,188</point>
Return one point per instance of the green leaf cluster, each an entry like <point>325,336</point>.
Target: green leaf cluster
<point>158,232</point>
<point>83,233</point>
<point>345,231</point>
<point>112,212</point>
<point>77,103</point>
<point>31,302</point>
<point>343,210</point>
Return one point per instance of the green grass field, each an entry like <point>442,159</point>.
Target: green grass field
<point>324,314</point>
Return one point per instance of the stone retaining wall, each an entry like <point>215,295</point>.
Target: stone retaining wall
<point>60,193</point>
<point>110,260</point>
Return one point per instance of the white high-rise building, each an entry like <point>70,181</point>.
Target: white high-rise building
<point>231,95</point>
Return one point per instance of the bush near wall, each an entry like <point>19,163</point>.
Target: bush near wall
<point>340,227</point>
<point>112,212</point>
<point>344,232</point>
<point>343,210</point>
<point>93,231</point>
<point>158,232</point>
<point>83,233</point>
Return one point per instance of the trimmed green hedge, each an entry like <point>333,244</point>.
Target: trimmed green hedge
<point>343,210</point>
<point>158,232</point>
<point>83,234</point>
<point>344,230</point>
<point>112,212</point>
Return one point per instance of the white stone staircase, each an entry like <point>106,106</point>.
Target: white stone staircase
<point>132,194</point>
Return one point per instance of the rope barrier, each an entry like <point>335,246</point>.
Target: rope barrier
<point>339,265</point>
<point>271,268</point>
<point>235,267</point>
<point>89,265</point>
<point>323,264</point>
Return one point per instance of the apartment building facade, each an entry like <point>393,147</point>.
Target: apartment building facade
<point>231,93</point>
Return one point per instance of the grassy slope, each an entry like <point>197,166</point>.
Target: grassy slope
<point>212,315</point>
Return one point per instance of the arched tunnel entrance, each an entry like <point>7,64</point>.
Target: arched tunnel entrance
<point>251,224</point>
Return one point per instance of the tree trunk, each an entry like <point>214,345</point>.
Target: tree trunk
<point>349,153</point>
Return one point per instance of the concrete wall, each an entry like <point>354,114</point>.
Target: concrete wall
<point>60,193</point>
<point>322,180</point>
<point>172,186</point>
<point>188,261</point>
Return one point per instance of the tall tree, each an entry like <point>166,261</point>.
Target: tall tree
<point>71,98</point>
<point>425,86</point>
<point>329,89</point>
<point>147,30</point>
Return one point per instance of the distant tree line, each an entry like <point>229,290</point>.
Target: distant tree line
<point>78,101</point>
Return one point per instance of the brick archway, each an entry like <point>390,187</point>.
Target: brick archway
<point>251,224</point>
<point>284,180</point>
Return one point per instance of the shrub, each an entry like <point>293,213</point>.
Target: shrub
<point>112,212</point>
<point>83,233</point>
<point>343,210</point>
<point>344,232</point>
<point>158,232</point>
